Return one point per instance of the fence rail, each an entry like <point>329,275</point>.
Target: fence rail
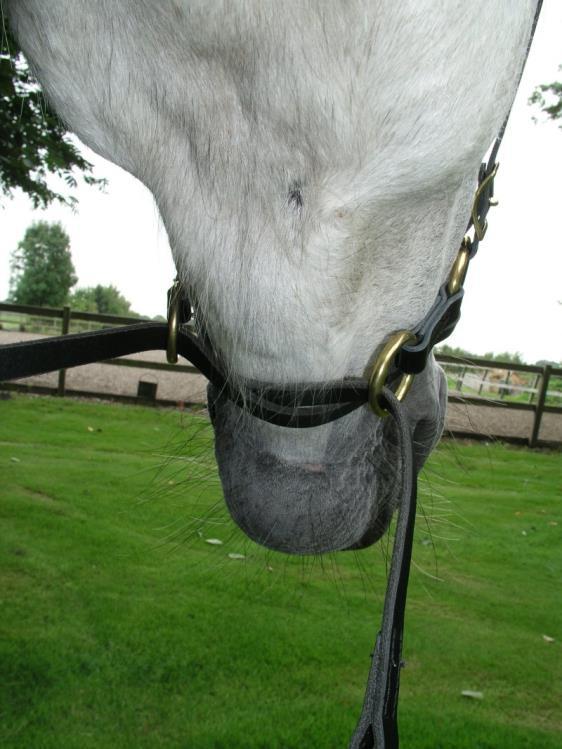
<point>59,312</point>
<point>469,378</point>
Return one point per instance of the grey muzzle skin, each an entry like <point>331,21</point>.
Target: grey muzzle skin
<point>326,488</point>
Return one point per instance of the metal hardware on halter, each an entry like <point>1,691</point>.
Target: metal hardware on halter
<point>483,199</point>
<point>411,349</point>
<point>179,312</point>
<point>460,267</point>
<point>380,371</point>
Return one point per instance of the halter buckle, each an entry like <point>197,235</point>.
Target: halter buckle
<point>478,211</point>
<point>381,367</point>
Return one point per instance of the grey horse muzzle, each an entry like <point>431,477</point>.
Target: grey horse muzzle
<point>321,489</point>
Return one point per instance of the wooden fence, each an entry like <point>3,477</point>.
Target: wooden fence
<point>524,397</point>
<point>469,379</point>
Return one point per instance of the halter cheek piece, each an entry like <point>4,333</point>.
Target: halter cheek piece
<point>404,355</point>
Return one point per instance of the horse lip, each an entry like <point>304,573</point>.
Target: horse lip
<point>301,491</point>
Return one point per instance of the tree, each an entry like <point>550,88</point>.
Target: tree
<point>83,300</point>
<point>506,356</point>
<point>460,353</point>
<point>33,141</point>
<point>447,350</point>
<point>548,96</point>
<point>42,272</point>
<point>106,300</point>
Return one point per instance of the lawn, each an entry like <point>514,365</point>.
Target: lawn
<point>122,626</point>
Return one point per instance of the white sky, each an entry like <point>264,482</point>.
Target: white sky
<point>514,285</point>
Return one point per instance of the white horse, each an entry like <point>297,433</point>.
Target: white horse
<point>314,164</point>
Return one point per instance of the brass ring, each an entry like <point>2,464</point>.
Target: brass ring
<point>379,374</point>
<point>173,324</point>
<point>458,271</point>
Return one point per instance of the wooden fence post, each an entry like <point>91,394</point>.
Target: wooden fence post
<point>460,380</point>
<point>505,390</point>
<point>539,409</point>
<point>483,381</point>
<point>64,330</point>
<point>535,385</point>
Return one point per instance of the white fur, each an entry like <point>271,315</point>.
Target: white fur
<point>380,110</point>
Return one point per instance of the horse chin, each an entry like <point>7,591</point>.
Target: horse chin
<point>328,488</point>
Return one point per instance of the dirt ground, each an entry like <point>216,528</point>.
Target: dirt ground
<point>191,388</point>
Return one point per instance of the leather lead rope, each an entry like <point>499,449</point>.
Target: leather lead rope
<point>378,725</point>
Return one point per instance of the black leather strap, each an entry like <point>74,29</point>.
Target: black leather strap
<point>437,325</point>
<point>378,724</point>
<point>298,406</point>
<point>60,352</point>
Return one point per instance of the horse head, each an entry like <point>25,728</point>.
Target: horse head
<point>314,165</point>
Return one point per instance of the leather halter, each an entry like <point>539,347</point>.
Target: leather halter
<point>405,354</point>
<point>299,405</point>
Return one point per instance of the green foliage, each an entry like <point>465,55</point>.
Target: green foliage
<point>554,108</point>
<point>121,627</point>
<point>105,300</point>
<point>461,353</point>
<point>83,300</point>
<point>457,351</point>
<point>42,271</point>
<point>33,141</point>
<point>506,356</point>
<point>548,96</point>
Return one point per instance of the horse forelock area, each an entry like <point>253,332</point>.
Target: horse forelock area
<point>313,162</point>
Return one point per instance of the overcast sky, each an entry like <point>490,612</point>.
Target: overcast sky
<point>515,283</point>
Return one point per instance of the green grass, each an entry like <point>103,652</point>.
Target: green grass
<point>121,627</point>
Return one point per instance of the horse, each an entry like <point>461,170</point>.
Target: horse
<point>314,165</point>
